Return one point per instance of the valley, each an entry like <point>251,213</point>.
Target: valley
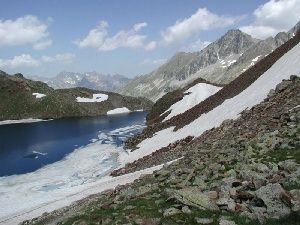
<point>194,119</point>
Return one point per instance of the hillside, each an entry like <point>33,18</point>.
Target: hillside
<point>220,62</point>
<point>231,97</point>
<point>180,100</point>
<point>246,171</point>
<point>22,98</point>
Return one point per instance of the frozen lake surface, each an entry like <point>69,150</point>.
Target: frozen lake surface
<point>26,147</point>
<point>46,161</point>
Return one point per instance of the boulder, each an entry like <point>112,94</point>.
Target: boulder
<point>270,194</point>
<point>186,210</point>
<point>171,212</point>
<point>204,220</point>
<point>194,197</point>
<point>295,195</point>
<point>226,222</point>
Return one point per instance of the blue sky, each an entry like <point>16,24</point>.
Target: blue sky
<point>129,37</point>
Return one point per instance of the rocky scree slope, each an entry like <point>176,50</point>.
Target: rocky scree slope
<point>18,100</point>
<point>220,62</point>
<point>244,172</point>
<point>229,91</point>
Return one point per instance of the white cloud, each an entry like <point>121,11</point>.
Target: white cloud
<point>24,60</point>
<point>24,30</point>
<point>155,62</point>
<point>151,46</point>
<point>99,38</point>
<point>195,46</point>
<point>95,38</point>
<point>62,58</point>
<point>42,45</point>
<point>273,17</point>
<point>47,59</point>
<point>65,57</point>
<point>139,26</point>
<point>203,19</point>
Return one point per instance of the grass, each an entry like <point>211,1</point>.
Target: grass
<point>280,155</point>
<point>143,207</point>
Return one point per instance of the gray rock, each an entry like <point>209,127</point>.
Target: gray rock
<point>295,194</point>
<point>289,165</point>
<point>204,220</point>
<point>226,222</point>
<point>270,194</point>
<point>186,210</point>
<point>194,197</point>
<point>171,212</point>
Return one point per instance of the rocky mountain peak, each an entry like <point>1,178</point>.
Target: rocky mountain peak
<point>231,43</point>
<point>234,42</point>
<point>235,32</point>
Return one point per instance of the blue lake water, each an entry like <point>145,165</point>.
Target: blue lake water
<point>27,147</point>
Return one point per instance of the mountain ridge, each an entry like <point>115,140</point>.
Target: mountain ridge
<point>92,80</point>
<point>220,62</point>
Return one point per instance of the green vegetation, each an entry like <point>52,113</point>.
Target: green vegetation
<point>17,101</point>
<point>146,207</point>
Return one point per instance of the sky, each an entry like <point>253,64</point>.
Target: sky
<point>128,37</point>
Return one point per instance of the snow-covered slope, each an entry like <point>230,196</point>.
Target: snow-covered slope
<point>287,65</point>
<point>95,98</point>
<point>118,111</point>
<point>193,96</point>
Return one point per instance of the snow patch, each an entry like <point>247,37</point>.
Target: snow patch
<point>227,63</point>
<point>231,62</point>
<point>95,98</point>
<point>194,96</point>
<point>38,95</point>
<point>118,111</point>
<point>4,122</point>
<point>256,58</point>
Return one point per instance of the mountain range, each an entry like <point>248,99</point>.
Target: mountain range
<point>92,80</point>
<point>220,62</point>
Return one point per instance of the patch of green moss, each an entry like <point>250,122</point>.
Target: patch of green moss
<point>280,155</point>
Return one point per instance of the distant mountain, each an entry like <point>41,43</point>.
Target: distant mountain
<point>22,98</point>
<point>93,80</point>
<point>220,62</point>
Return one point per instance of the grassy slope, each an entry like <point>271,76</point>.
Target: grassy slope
<point>17,101</point>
